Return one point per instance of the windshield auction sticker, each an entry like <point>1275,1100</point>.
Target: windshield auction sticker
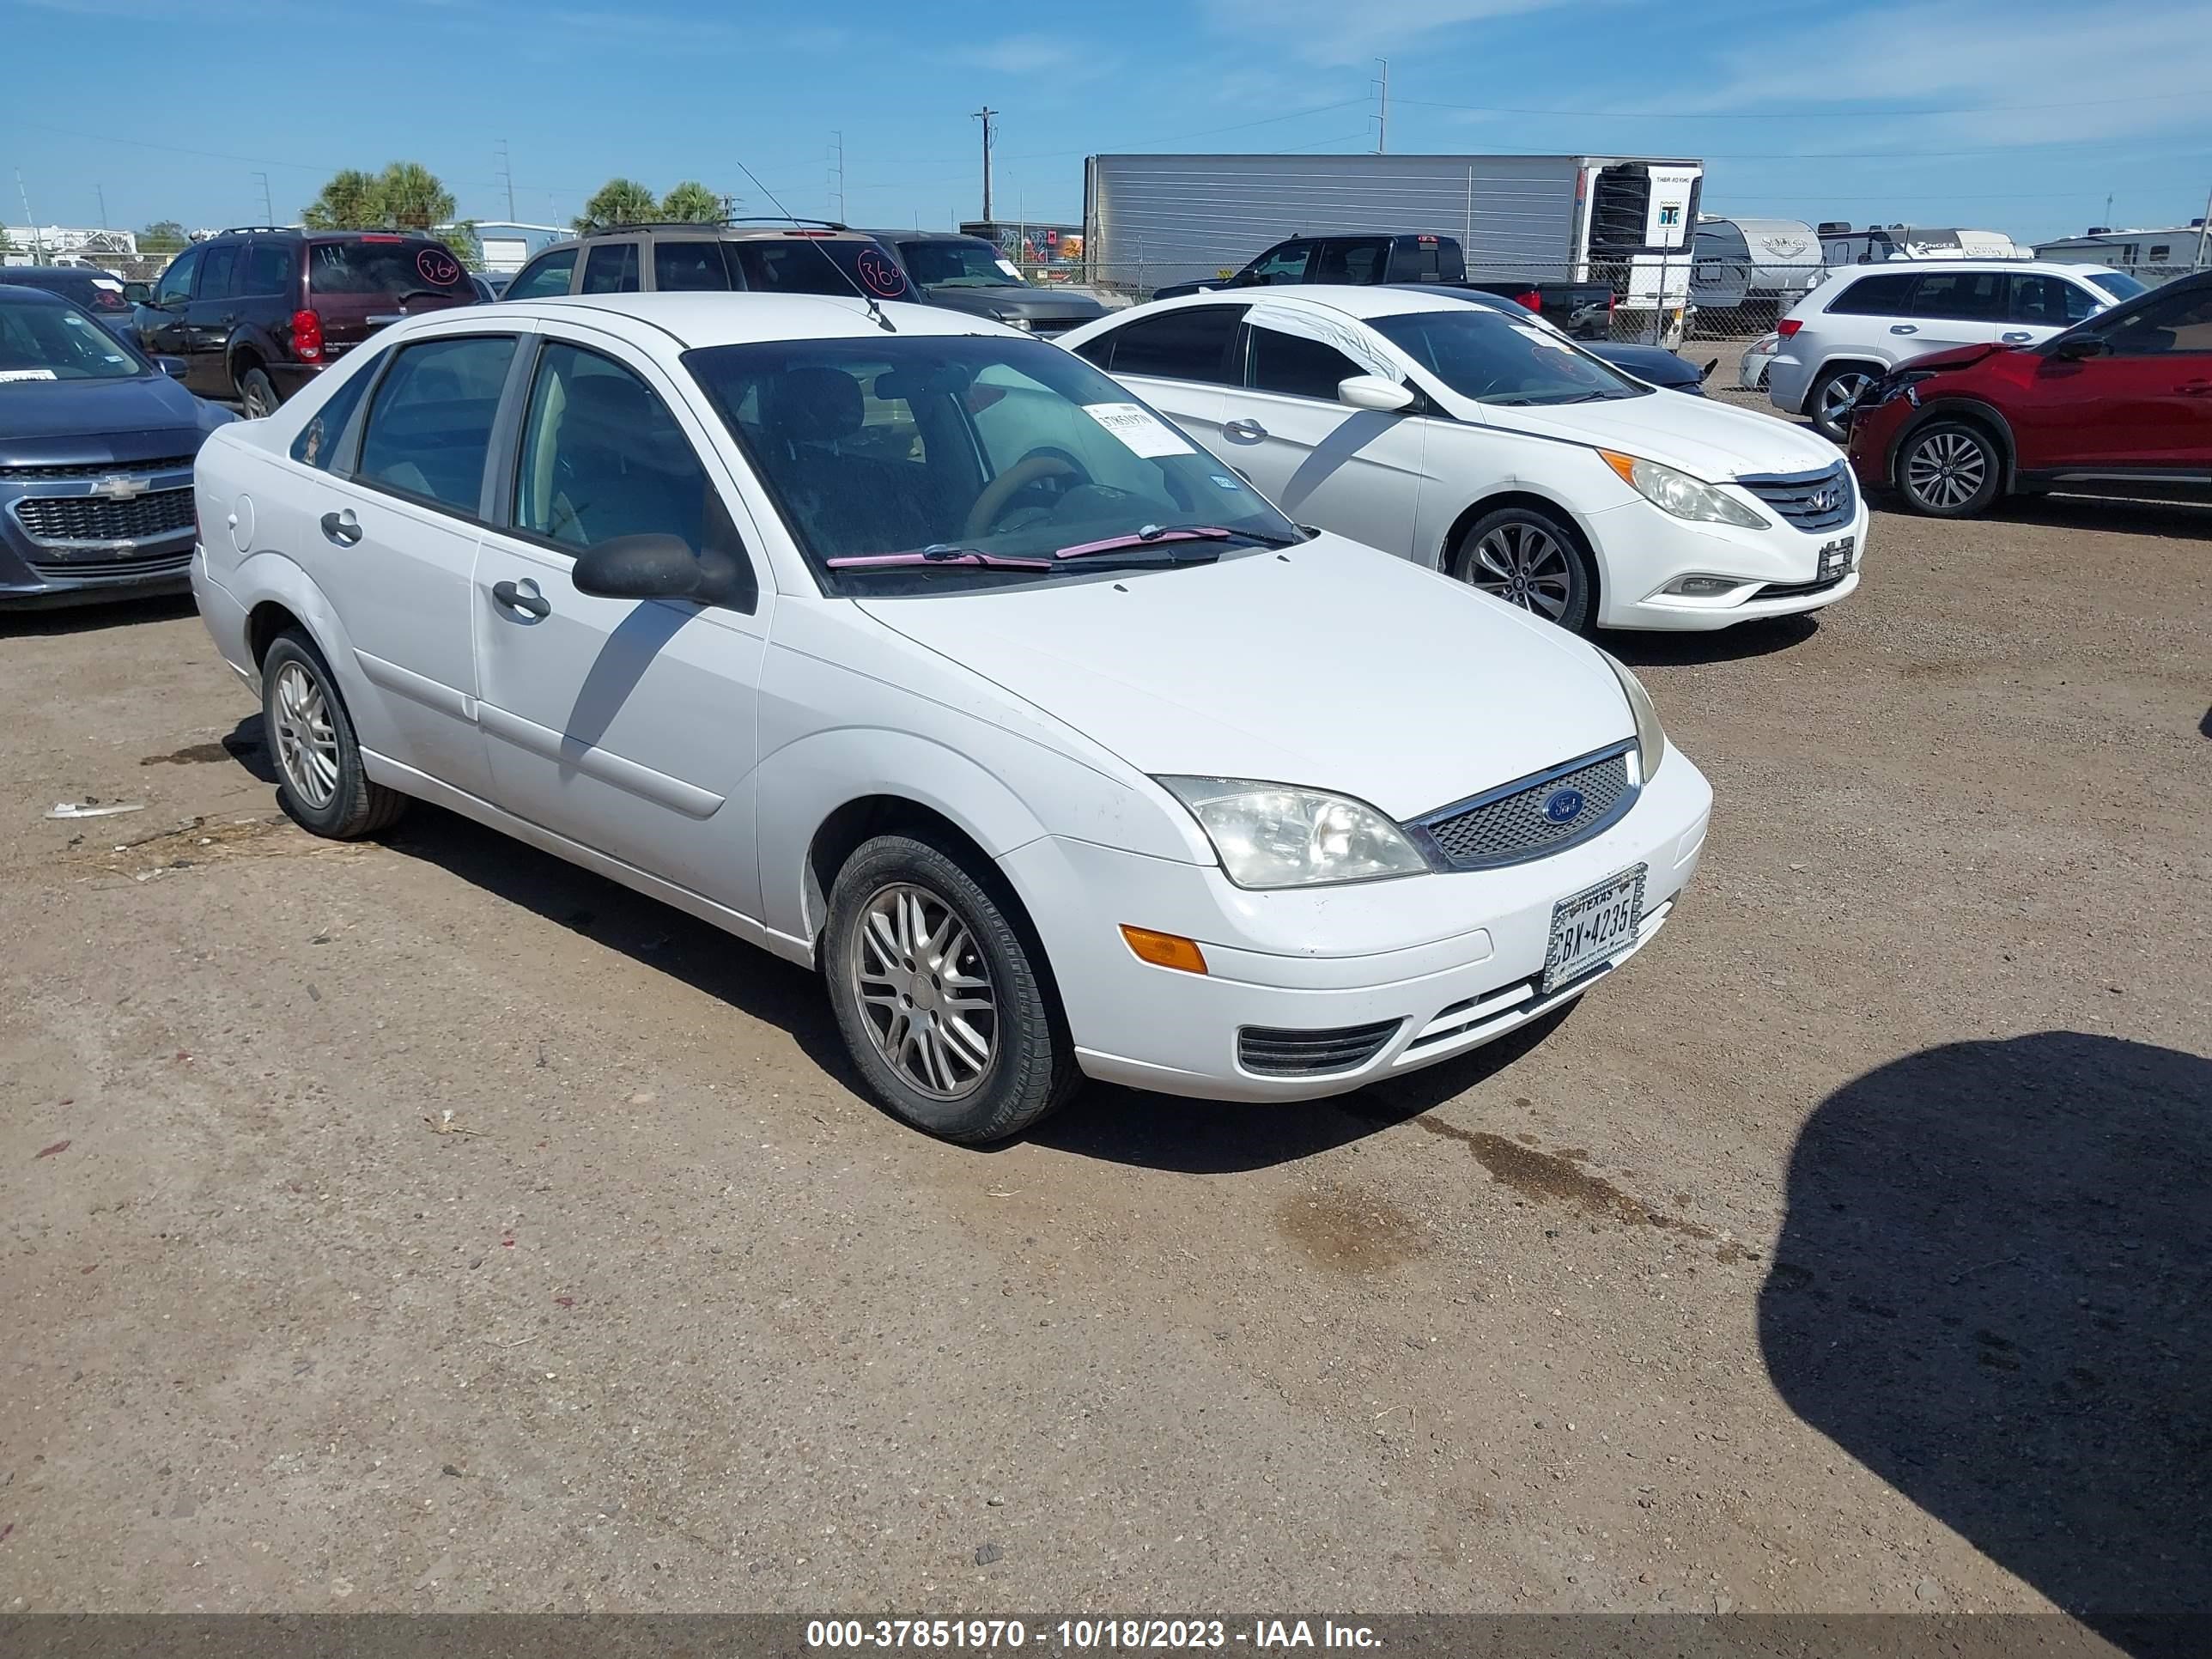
<point>1138,429</point>
<point>9,375</point>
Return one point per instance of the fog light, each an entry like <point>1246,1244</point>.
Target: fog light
<point>1165,950</point>
<point>1703,587</point>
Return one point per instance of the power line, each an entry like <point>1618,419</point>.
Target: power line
<point>1857,112</point>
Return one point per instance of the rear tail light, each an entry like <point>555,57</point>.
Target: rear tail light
<point>308,336</point>
<point>1529,299</point>
<point>1787,326</point>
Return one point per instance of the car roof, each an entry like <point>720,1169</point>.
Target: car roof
<point>1343,298</point>
<point>698,319</point>
<point>17,294</point>
<point>1971,262</point>
<point>926,236</point>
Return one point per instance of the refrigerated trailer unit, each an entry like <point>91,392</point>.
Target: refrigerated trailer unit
<point>1149,221</point>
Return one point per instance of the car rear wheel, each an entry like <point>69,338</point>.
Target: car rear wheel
<point>257,394</point>
<point>1833,394</point>
<point>1531,560</point>
<point>320,781</point>
<point>1949,470</point>
<point>939,995</point>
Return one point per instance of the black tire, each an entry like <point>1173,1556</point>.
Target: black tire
<point>334,797</point>
<point>257,394</point>
<point>1556,567</point>
<point>1030,1065</point>
<point>1948,469</point>
<point>1821,401</point>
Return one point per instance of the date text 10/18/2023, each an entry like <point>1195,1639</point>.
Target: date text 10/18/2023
<point>1087,1635</point>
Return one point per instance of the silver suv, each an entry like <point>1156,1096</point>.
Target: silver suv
<point>783,256</point>
<point>1856,325</point>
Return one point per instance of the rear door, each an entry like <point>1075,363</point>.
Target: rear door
<point>626,725</point>
<point>1179,361</point>
<point>689,265</point>
<point>1951,309</point>
<point>209,318</point>
<point>1357,471</point>
<point>611,266</point>
<point>1359,260</point>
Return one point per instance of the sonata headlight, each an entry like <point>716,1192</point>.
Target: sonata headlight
<point>1271,834</point>
<point>1650,736</point>
<point>1678,493</point>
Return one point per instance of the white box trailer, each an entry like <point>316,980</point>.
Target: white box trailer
<point>1152,219</point>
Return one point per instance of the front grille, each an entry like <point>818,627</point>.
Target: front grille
<point>1811,501</point>
<point>89,518</point>
<point>1518,822</point>
<point>1275,1053</point>
<point>97,469</point>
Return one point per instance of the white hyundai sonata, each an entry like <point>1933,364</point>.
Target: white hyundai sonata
<point>1479,441</point>
<point>907,646</point>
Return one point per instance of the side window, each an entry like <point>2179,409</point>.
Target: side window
<point>1961,296</point>
<point>689,267</point>
<point>544,277</point>
<point>318,443</point>
<point>1297,367</point>
<point>611,268</point>
<point>2179,322</point>
<point>1873,296</point>
<point>1286,263</point>
<point>1188,343</point>
<point>217,269</point>
<point>270,267</point>
<point>430,426</point>
<point>1351,260</point>
<point>2048,301</point>
<point>176,285</point>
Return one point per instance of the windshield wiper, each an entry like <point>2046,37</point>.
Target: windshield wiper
<point>973,558</point>
<point>424,294</point>
<point>1153,534</point>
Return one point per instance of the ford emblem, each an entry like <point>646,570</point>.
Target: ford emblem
<point>1564,805</point>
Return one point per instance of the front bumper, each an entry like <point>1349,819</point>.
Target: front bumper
<point>1874,431</point>
<point>1449,960</point>
<point>1642,551</point>
<point>59,546</point>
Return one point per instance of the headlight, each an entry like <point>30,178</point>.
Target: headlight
<point>1680,494</point>
<point>1651,738</point>
<point>1012,321</point>
<point>1901,386</point>
<point>1269,834</point>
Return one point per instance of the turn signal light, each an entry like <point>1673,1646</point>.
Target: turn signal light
<point>1787,326</point>
<point>1164,949</point>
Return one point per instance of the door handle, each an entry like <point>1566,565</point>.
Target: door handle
<point>2195,388</point>
<point>341,527</point>
<point>1247,430</point>
<point>1905,328</point>
<point>522,596</point>
<point>2015,337</point>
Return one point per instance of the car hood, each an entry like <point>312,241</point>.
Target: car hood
<point>1653,365</point>
<point>1963,356</point>
<point>115,414</point>
<point>1706,439</point>
<point>1333,667</point>
<point>1011,302</point>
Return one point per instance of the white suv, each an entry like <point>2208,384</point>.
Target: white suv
<point>1858,324</point>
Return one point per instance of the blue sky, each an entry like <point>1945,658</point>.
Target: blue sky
<point>2019,115</point>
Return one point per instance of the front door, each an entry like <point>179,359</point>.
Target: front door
<point>394,546</point>
<point>626,724</point>
<point>2143,403</point>
<point>1178,361</point>
<point>1356,471</point>
<point>208,320</point>
<point>161,321</point>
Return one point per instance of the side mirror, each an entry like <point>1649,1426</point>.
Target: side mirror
<point>1373,392</point>
<point>175,368</point>
<point>657,568</point>
<point>2074,349</point>
<point>137,293</point>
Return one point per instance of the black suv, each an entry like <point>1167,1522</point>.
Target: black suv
<point>257,312</point>
<point>969,274</point>
<point>804,256</point>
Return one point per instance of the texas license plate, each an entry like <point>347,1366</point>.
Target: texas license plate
<point>1837,555</point>
<point>1591,926</point>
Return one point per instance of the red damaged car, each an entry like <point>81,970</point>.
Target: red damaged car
<point>2119,404</point>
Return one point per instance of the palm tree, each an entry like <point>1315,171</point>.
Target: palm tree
<point>691,202</point>
<point>411,198</point>
<point>352,200</point>
<point>618,202</point>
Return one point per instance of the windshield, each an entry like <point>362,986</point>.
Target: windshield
<point>2118,284</point>
<point>974,449</point>
<point>959,264</point>
<point>1495,358</point>
<point>385,264</point>
<point>42,341</point>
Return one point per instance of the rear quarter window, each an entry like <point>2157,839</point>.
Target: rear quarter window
<point>1885,295</point>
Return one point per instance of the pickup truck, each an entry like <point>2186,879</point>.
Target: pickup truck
<point>1582,311</point>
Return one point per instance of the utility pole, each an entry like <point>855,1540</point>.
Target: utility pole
<point>985,116</point>
<point>1383,108</point>
<point>268,208</point>
<point>2203,230</point>
<point>838,174</point>
<point>38,246</point>
<point>507,175</point>
<point>100,191</point>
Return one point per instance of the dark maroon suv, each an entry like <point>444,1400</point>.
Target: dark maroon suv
<point>258,312</point>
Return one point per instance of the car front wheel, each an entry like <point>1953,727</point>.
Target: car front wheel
<point>939,994</point>
<point>1529,559</point>
<point>1949,470</point>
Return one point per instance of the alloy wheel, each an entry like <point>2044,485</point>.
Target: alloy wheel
<point>1946,469</point>
<point>255,403</point>
<point>1525,564</point>
<point>1839,394</point>
<point>924,992</point>
<point>307,741</point>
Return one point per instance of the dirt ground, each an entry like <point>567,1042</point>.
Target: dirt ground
<point>430,1225</point>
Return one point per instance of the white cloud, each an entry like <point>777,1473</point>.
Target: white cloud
<point>1019,54</point>
<point>1335,32</point>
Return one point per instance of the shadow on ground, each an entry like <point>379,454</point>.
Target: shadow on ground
<point>27,620</point>
<point>1645,649</point>
<point>1993,1289</point>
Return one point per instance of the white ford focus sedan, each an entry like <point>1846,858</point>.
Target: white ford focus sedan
<point>904,644</point>
<point>1482,442</point>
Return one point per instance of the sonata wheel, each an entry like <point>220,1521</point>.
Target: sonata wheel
<point>307,739</point>
<point>924,991</point>
<point>1525,564</point>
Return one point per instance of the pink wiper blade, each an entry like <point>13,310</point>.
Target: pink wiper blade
<point>972,556</point>
<point>1147,537</point>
